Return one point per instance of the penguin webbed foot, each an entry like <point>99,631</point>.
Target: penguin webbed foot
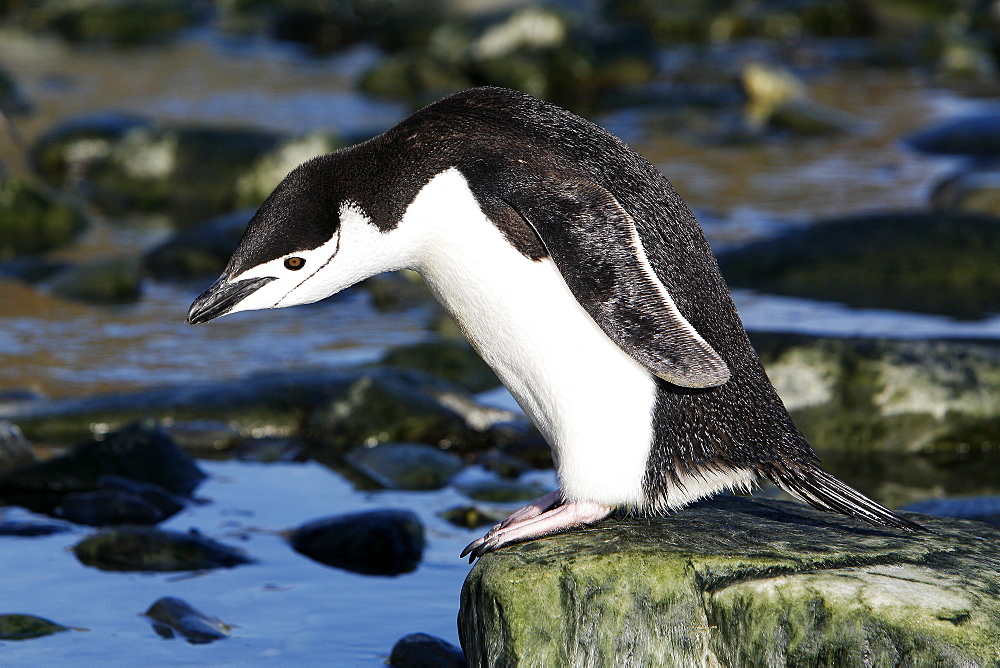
<point>545,516</point>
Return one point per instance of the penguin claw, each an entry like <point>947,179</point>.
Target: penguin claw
<point>562,516</point>
<point>530,511</point>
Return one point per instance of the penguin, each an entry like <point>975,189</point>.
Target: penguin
<point>579,275</point>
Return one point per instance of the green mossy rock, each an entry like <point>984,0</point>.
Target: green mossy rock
<point>155,550</point>
<point>26,627</point>
<point>739,582</point>
<point>122,22</point>
<point>411,466</point>
<point>107,280</point>
<point>863,395</point>
<point>34,221</point>
<point>930,263</point>
<point>453,360</point>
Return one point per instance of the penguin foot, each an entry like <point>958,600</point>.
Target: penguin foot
<point>543,517</point>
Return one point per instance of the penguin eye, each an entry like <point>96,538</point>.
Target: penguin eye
<point>294,263</point>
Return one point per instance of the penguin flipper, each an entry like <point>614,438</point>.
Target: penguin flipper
<point>595,245</point>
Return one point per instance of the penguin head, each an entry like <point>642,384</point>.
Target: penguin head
<point>306,242</point>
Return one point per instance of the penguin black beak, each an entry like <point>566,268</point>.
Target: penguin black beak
<point>222,297</point>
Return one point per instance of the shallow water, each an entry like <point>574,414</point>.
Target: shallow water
<point>285,608</point>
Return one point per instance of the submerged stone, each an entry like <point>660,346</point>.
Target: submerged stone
<point>29,529</point>
<point>149,549</point>
<point>141,451</point>
<point>26,627</point>
<point>503,491</point>
<point>931,263</point>
<point>14,448</point>
<point>33,220</point>
<point>421,650</point>
<point>119,501</point>
<point>739,582</point>
<point>473,517</point>
<point>108,280</point>
<point>453,360</point>
<point>977,136</point>
<point>412,466</point>
<point>375,542</point>
<point>172,616</point>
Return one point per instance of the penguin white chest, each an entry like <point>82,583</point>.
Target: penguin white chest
<point>592,401</point>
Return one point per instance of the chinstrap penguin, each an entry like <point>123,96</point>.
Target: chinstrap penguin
<point>579,275</point>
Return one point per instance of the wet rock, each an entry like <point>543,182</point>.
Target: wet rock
<point>375,542</point>
<point>108,280</point>
<point>411,466</point>
<point>501,463</point>
<point>931,263</point>
<point>119,501</point>
<point>26,627</point>
<point>150,549</point>
<point>979,509</point>
<point>34,220</point>
<point>738,582</point>
<point>975,191</point>
<point>941,398</point>
<point>455,361</point>
<point>402,405</point>
<point>199,252</point>
<point>190,172</point>
<point>30,529</point>
<point>503,491</point>
<point>172,616</point>
<point>125,22</point>
<point>555,54</point>
<point>141,451</point>
<point>421,650</point>
<point>14,448</point>
<point>473,517</point>
<point>977,136</point>
<point>12,99</point>
<point>778,99</point>
<point>397,291</point>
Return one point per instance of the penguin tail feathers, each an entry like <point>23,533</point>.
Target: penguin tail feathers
<point>821,490</point>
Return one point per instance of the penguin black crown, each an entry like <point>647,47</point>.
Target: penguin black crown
<point>580,276</point>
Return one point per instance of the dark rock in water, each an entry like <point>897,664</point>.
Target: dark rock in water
<point>977,136</point>
<point>455,361</point>
<point>504,465</point>
<point>375,542</point>
<point>119,501</point>
<point>473,517</point>
<point>397,290</point>
<point>109,280</point>
<point>200,251</point>
<point>126,22</point>
<point>140,451</point>
<point>976,191</point>
<point>979,509</point>
<point>503,491</point>
<point>412,466</point>
<point>14,449</point>
<point>402,405</point>
<point>421,650</point>
<point>149,549</point>
<point>172,616</point>
<point>26,627</point>
<point>739,582</point>
<point>31,529</point>
<point>74,147</point>
<point>931,263</point>
<point>33,220</point>
<point>190,172</point>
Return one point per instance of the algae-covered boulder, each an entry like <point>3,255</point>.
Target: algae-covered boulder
<point>123,163</point>
<point>926,262</point>
<point>739,582</point>
<point>33,220</point>
<point>121,22</point>
<point>940,398</point>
